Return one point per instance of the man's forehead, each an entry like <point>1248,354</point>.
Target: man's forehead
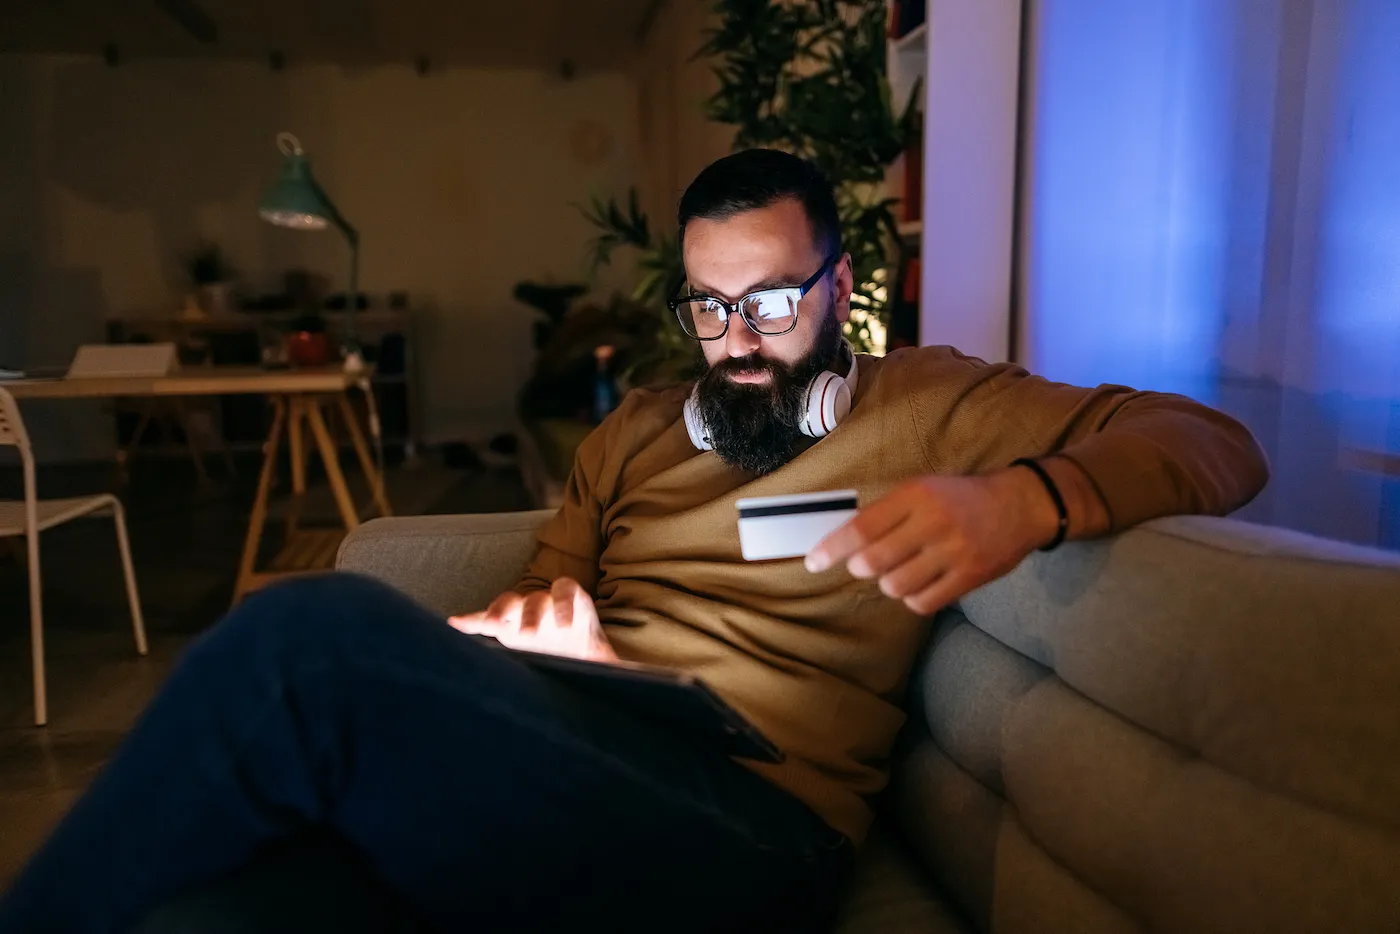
<point>753,249</point>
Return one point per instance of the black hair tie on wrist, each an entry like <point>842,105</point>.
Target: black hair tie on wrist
<point>1055,497</point>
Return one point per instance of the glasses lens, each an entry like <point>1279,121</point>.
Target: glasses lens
<point>702,318</point>
<point>771,312</point>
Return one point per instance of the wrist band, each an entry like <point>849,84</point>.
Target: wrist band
<point>1055,497</point>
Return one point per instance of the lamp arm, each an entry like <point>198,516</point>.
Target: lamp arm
<point>352,295</point>
<point>352,299</point>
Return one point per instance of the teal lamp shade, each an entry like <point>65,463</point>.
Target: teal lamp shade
<point>295,200</point>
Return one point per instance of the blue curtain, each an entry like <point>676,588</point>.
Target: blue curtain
<point>1213,208</point>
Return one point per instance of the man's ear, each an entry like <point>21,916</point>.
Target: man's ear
<point>843,275</point>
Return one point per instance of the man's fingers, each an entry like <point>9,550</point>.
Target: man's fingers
<point>942,592</point>
<point>575,605</point>
<point>562,620</point>
<point>585,610</point>
<point>921,570</point>
<point>503,614</point>
<point>564,595</point>
<point>474,624</point>
<point>870,524</point>
<point>537,614</point>
<point>889,551</point>
<point>506,608</point>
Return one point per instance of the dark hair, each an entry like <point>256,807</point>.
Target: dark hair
<point>756,178</point>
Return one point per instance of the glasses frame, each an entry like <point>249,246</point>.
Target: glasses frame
<point>731,309</point>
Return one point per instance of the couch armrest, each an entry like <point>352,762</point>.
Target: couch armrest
<point>450,564</point>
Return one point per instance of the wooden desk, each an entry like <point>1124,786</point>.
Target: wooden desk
<point>299,397</point>
<point>207,381</point>
<point>393,380</point>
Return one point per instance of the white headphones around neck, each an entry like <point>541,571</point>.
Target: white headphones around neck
<point>825,403</point>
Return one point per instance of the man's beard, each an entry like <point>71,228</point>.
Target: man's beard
<point>754,426</point>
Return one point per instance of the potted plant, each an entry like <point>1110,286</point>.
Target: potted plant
<point>212,278</point>
<point>808,78</point>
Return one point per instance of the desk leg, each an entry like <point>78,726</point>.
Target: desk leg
<point>126,454</point>
<point>331,461</point>
<point>296,450</point>
<point>182,415</point>
<point>357,438</point>
<point>246,568</point>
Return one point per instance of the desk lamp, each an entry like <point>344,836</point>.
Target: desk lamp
<point>297,202</point>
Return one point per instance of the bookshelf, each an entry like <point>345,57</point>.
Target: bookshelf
<point>906,64</point>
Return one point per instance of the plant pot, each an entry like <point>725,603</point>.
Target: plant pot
<point>307,349</point>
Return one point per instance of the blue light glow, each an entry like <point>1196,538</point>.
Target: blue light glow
<point>1214,209</point>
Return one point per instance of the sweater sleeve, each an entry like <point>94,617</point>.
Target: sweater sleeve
<point>571,542</point>
<point>1148,454</point>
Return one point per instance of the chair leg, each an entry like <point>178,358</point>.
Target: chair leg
<point>36,632</point>
<point>138,625</point>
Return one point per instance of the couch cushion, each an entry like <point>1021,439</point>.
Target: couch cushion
<point>891,894</point>
<point>1190,727</point>
<point>1270,654</point>
<point>983,856</point>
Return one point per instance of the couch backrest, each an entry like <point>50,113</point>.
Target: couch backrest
<point>450,564</point>
<point>1193,726</point>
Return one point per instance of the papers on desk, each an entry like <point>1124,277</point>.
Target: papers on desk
<point>11,374</point>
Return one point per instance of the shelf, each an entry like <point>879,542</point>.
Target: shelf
<point>255,320</point>
<point>910,228</point>
<point>309,550</point>
<point>906,64</point>
<point>912,38</point>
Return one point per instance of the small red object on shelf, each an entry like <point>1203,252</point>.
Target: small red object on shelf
<point>308,349</point>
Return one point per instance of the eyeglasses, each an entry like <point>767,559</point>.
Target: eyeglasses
<point>767,312</point>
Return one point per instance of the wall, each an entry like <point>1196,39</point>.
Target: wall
<point>970,175</point>
<point>461,182</point>
<point>675,137</point>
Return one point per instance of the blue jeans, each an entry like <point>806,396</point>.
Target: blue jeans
<point>484,795</point>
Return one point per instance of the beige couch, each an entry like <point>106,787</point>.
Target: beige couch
<point>1193,726</point>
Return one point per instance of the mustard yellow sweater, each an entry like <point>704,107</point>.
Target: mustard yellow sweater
<point>819,662</point>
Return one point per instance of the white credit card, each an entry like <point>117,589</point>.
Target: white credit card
<point>790,526</point>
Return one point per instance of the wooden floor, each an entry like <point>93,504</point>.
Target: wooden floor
<point>186,541</point>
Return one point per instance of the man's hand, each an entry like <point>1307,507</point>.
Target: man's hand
<point>559,621</point>
<point>936,538</point>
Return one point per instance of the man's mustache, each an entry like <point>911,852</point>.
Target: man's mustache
<point>750,364</point>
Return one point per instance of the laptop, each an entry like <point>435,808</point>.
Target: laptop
<point>123,360</point>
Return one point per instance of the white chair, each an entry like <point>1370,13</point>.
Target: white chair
<point>31,516</point>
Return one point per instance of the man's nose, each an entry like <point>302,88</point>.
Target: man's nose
<point>740,340</point>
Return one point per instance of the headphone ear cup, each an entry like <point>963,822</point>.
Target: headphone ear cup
<point>695,424</point>
<point>828,401</point>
